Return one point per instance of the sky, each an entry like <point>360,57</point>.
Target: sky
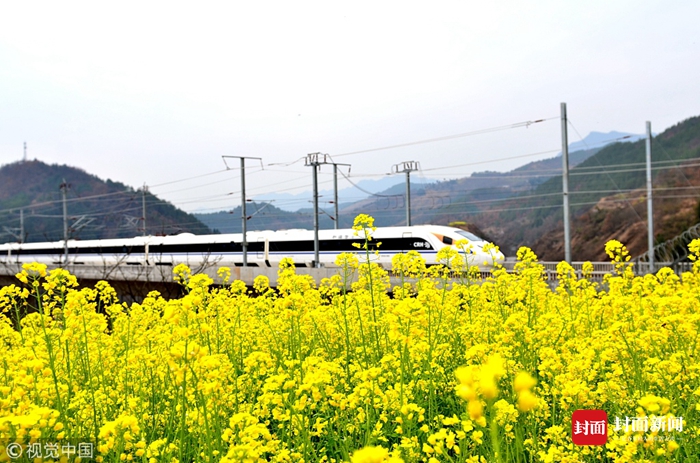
<point>156,93</point>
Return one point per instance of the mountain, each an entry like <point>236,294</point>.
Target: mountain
<point>262,216</point>
<point>600,139</point>
<point>612,175</point>
<point>446,201</point>
<point>361,189</point>
<point>31,204</point>
<point>676,208</point>
<point>454,200</point>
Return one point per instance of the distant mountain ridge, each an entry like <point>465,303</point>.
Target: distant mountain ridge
<point>600,139</point>
<point>31,205</point>
<point>296,202</point>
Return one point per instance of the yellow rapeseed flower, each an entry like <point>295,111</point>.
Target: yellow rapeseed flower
<point>523,382</point>
<point>373,454</point>
<point>526,401</point>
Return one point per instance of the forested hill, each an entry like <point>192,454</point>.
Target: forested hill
<point>264,216</point>
<point>96,209</point>
<point>612,175</point>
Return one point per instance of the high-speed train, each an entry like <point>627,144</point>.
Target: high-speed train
<point>265,248</point>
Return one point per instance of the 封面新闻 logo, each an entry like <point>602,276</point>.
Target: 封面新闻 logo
<point>589,427</point>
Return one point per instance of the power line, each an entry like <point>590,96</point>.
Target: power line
<point>598,161</point>
<point>366,191</point>
<point>205,185</point>
<point>59,201</point>
<point>450,137</point>
<point>188,178</point>
<point>489,161</point>
<point>658,143</point>
<point>641,169</point>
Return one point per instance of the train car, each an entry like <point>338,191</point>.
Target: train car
<point>265,248</point>
<point>427,240</point>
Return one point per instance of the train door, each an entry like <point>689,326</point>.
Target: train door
<point>263,252</point>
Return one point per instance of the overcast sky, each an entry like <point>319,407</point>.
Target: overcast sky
<point>154,92</point>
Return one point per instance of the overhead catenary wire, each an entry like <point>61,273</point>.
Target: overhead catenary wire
<point>659,143</point>
<point>601,169</point>
<point>535,173</point>
<point>398,212</point>
<point>132,192</point>
<point>69,200</point>
<point>188,178</point>
<point>641,169</point>
<point>449,137</point>
<point>514,198</point>
<point>366,191</point>
<point>578,171</point>
<point>521,124</point>
<point>205,185</point>
<point>568,120</point>
<point>490,161</point>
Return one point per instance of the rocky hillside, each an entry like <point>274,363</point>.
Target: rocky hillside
<point>624,217</point>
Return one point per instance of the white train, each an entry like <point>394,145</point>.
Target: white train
<point>265,248</point>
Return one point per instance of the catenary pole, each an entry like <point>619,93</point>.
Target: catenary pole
<point>244,215</point>
<point>314,160</point>
<point>408,198</point>
<point>314,170</point>
<point>565,183</point>
<point>335,196</point>
<point>143,207</point>
<point>335,188</point>
<point>650,206</point>
<point>407,167</point>
<point>64,188</point>
<point>21,226</point>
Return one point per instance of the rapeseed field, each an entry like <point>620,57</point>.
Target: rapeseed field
<point>444,367</point>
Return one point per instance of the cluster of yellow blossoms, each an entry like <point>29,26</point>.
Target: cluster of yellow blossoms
<point>443,367</point>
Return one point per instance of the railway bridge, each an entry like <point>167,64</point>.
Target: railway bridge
<point>133,282</point>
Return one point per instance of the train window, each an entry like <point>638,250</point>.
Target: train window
<point>338,245</point>
<point>292,246</point>
<point>447,240</point>
<point>39,251</point>
<point>258,246</point>
<point>469,236</point>
<point>199,248</point>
